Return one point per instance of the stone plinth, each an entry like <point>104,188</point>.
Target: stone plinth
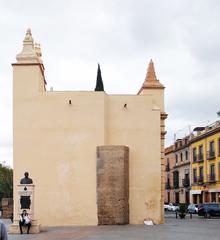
<point>25,201</point>
<point>112,185</point>
<point>14,228</point>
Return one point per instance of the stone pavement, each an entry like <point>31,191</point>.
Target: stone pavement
<point>196,228</point>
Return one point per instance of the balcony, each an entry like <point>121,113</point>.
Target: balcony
<point>167,186</point>
<point>185,182</point>
<point>195,180</point>
<point>210,155</point>
<point>211,178</point>
<point>195,158</point>
<point>198,158</point>
<point>200,180</point>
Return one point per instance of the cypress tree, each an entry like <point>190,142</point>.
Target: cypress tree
<point>99,83</point>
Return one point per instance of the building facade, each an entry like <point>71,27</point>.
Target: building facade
<point>56,135</point>
<point>205,156</point>
<point>178,172</point>
<point>169,167</point>
<point>181,172</point>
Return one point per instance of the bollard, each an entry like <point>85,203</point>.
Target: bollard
<point>176,215</point>
<point>190,215</point>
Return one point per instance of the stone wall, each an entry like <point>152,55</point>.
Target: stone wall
<point>7,207</point>
<point>112,185</point>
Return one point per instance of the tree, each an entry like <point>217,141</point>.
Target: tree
<point>99,83</point>
<point>6,182</point>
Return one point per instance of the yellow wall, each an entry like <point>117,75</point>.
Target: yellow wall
<point>56,143</point>
<point>206,164</point>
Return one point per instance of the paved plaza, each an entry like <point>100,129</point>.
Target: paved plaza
<point>195,228</point>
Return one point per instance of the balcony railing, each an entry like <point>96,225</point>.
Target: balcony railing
<point>198,180</point>
<point>211,178</point>
<point>198,158</point>
<point>210,155</point>
<point>185,182</point>
<point>194,158</point>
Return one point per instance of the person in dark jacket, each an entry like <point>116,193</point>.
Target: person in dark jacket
<point>25,220</point>
<point>3,231</point>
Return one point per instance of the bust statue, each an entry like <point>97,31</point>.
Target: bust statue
<point>26,179</point>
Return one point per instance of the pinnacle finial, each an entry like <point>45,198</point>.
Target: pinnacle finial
<point>151,81</point>
<point>28,53</point>
<point>151,76</point>
<point>37,48</point>
<point>28,36</point>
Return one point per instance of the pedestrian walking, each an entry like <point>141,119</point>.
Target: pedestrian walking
<point>3,231</point>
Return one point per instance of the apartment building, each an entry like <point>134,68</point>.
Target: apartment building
<point>205,145</point>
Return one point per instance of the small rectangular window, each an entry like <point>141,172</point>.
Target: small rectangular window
<point>181,157</point>
<point>219,146</point>
<point>212,169</point>
<point>211,147</point>
<point>194,175</point>
<point>200,157</point>
<point>186,155</point>
<point>194,154</point>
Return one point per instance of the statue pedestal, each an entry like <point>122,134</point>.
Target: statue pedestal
<point>25,201</point>
<point>14,228</point>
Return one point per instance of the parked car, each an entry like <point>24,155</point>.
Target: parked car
<point>209,209</point>
<point>192,208</point>
<point>171,207</point>
<point>166,204</point>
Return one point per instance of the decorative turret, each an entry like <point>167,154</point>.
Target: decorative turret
<point>29,69</point>
<point>151,80</point>
<point>28,53</point>
<point>37,49</point>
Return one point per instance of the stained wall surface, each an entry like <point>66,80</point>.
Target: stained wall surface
<point>113,185</point>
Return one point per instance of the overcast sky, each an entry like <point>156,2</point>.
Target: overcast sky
<point>181,36</point>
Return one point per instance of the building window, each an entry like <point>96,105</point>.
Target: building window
<point>177,198</point>
<point>200,153</point>
<point>219,146</point>
<point>168,196</point>
<point>194,175</point>
<point>186,182</point>
<point>181,157</point>
<point>176,179</point>
<point>219,172</point>
<point>213,197</point>
<point>212,148</point>
<point>176,158</point>
<point>201,174</point>
<point>186,155</point>
<point>168,165</point>
<point>212,172</point>
<point>194,154</point>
